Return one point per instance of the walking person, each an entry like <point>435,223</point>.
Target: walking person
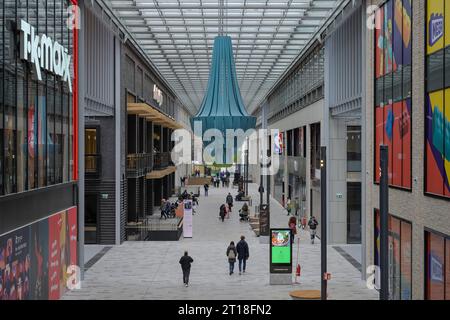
<point>313,228</point>
<point>222,212</point>
<point>206,186</point>
<point>185,262</point>
<point>231,254</point>
<point>293,226</point>
<point>229,201</point>
<point>289,206</point>
<point>243,254</point>
<point>296,206</point>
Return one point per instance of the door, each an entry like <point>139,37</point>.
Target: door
<point>354,213</point>
<point>91,221</point>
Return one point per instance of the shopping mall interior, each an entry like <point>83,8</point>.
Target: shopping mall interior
<point>294,149</point>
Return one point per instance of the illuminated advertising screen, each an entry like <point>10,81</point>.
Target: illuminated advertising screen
<point>281,251</point>
<point>278,142</point>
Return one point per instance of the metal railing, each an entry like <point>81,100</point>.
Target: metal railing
<point>139,163</point>
<point>161,160</point>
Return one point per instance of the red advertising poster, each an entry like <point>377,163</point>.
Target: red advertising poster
<point>397,156</point>
<point>405,134</point>
<point>54,259</point>
<point>378,140</point>
<point>72,222</point>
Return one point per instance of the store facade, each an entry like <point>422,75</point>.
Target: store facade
<point>406,109</point>
<point>38,148</point>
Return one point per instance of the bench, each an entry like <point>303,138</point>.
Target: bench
<point>305,295</point>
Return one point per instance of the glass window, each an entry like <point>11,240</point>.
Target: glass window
<point>379,94</point>
<point>42,133</point>
<point>393,57</point>
<point>447,269</point>
<point>435,71</point>
<point>31,136</point>
<point>399,255</point>
<point>406,261</point>
<point>32,131</point>
<point>65,136</point>
<point>354,149</point>
<point>394,258</point>
<point>435,260</point>
<point>51,133</point>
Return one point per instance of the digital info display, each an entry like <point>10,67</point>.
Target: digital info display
<point>281,247</point>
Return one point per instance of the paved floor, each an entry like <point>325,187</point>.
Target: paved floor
<point>91,250</point>
<point>150,270</point>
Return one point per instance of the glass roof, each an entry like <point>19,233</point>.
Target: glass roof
<point>178,37</point>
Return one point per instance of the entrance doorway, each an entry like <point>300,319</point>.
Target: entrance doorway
<point>91,230</point>
<point>353,212</point>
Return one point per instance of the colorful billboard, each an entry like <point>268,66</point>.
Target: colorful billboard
<point>399,255</point>
<point>393,57</point>
<point>34,259</point>
<point>437,118</point>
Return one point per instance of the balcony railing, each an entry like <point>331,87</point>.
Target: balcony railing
<point>92,163</point>
<point>139,164</point>
<point>161,160</point>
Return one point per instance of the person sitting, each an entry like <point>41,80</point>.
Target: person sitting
<point>240,195</point>
<point>244,212</point>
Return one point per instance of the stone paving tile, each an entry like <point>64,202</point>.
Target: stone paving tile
<point>150,270</point>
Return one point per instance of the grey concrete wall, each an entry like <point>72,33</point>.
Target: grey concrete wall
<point>337,180</point>
<point>421,210</point>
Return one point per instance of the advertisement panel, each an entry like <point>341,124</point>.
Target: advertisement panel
<point>187,220</point>
<point>54,259</point>
<point>278,142</point>
<point>434,143</point>
<point>435,26</point>
<point>280,251</point>
<point>34,259</point>
<point>39,260</point>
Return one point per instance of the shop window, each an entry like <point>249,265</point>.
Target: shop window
<point>435,71</point>
<point>436,268</point>
<point>393,58</point>
<point>289,143</point>
<point>399,256</point>
<point>437,117</point>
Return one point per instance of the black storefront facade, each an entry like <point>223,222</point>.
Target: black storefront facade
<point>150,108</point>
<point>126,151</point>
<point>38,148</point>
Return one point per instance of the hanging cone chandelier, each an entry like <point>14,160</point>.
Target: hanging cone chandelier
<point>222,107</point>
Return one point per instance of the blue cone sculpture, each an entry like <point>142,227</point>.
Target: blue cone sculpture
<point>222,107</point>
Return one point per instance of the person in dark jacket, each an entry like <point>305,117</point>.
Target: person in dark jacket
<point>229,201</point>
<point>243,254</point>
<point>313,228</point>
<point>222,212</point>
<point>206,186</point>
<point>185,262</point>
<point>231,254</point>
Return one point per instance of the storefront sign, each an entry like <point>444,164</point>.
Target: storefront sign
<point>44,53</point>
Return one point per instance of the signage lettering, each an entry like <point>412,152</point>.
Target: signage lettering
<point>44,53</point>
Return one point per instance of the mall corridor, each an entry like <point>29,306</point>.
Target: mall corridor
<point>150,270</point>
